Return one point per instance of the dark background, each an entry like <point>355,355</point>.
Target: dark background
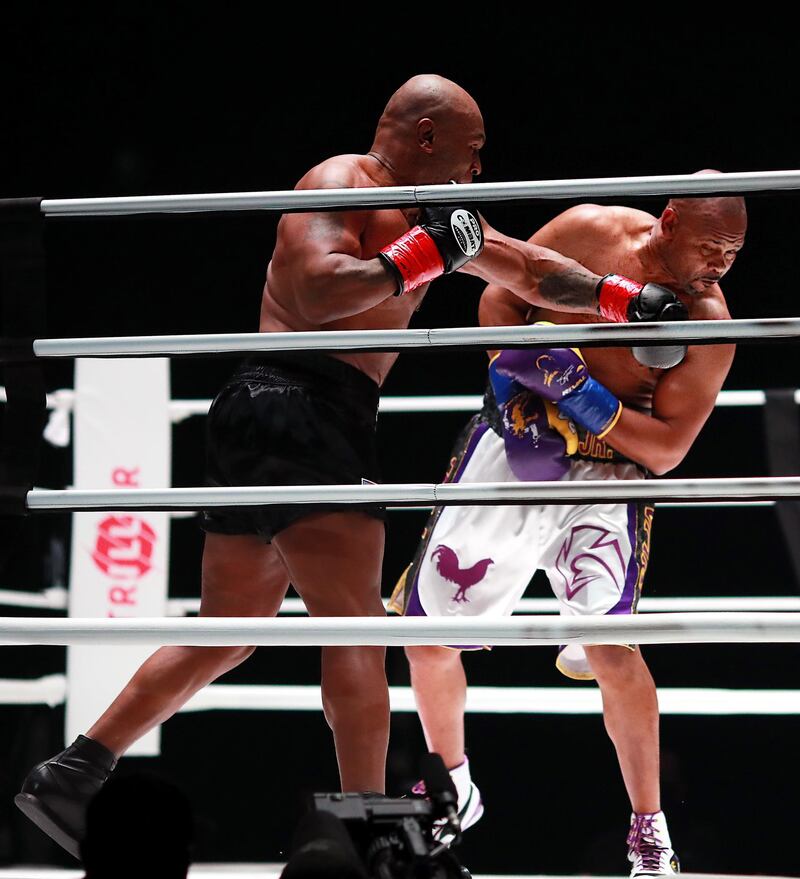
<point>147,99</point>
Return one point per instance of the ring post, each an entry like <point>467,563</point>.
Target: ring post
<point>119,561</point>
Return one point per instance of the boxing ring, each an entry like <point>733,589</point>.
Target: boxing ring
<point>688,620</point>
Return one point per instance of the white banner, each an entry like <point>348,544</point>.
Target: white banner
<point>119,562</point>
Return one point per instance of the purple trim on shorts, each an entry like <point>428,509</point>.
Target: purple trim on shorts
<point>625,604</point>
<point>474,439</point>
<point>414,607</point>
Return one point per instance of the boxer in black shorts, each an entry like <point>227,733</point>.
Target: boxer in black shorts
<point>289,420</point>
<point>360,269</point>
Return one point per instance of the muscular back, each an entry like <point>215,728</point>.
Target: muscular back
<point>323,276</point>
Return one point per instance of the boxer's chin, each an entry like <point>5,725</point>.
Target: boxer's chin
<point>695,287</point>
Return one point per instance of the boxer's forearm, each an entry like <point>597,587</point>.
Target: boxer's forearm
<point>536,274</point>
<point>655,444</point>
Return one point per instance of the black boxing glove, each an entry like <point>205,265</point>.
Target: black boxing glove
<point>620,299</point>
<point>445,239</point>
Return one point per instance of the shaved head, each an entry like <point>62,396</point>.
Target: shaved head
<point>700,237</point>
<point>727,210</point>
<point>430,131</point>
<point>427,96</point>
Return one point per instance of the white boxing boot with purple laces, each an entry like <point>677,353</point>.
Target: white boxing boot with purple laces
<point>649,846</point>
<point>470,805</point>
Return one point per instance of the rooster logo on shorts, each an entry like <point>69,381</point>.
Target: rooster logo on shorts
<point>449,569</point>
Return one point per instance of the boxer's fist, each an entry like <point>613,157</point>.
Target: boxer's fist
<point>560,375</point>
<point>445,239</point>
<point>552,373</point>
<point>620,299</point>
<point>536,450</point>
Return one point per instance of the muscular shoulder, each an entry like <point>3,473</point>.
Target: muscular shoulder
<point>339,172</point>
<point>590,225</point>
<point>709,306</point>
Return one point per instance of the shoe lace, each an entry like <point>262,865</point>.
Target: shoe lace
<point>642,841</point>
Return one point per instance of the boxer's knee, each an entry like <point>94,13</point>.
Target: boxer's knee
<point>424,658</point>
<point>617,666</point>
<point>219,660</point>
<point>354,684</point>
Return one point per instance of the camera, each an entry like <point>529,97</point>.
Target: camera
<point>369,836</point>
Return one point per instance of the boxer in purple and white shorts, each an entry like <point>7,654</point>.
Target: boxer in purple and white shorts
<point>605,413</point>
<point>469,561</point>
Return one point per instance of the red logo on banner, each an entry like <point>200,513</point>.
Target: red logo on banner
<point>124,547</point>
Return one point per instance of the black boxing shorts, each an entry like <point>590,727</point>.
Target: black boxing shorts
<point>290,420</point>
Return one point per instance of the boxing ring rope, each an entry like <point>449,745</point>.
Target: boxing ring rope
<point>52,690</point>
<point>607,491</point>
<point>273,871</point>
<point>181,409</point>
<point>410,196</point>
<point>672,628</point>
<point>695,332</point>
<point>55,599</point>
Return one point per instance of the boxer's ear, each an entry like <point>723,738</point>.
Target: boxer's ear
<point>669,222</point>
<point>425,134</point>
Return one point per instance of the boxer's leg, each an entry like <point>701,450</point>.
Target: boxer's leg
<point>630,712</point>
<point>334,561</point>
<point>440,691</point>
<point>596,561</point>
<point>472,561</point>
<point>242,577</point>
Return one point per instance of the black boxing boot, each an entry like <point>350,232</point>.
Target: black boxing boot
<point>56,793</point>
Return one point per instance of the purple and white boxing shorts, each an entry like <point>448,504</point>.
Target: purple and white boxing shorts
<point>479,560</point>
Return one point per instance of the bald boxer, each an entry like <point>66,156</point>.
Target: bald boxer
<point>311,420</point>
<point>564,414</point>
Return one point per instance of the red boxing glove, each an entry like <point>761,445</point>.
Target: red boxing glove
<point>447,238</point>
<point>622,300</point>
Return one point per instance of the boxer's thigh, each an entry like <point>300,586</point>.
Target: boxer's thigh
<point>477,559</point>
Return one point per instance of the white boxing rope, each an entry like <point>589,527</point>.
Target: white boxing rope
<point>508,700</point>
<point>596,490</point>
<point>182,606</point>
<point>214,871</point>
<point>698,332</point>
<point>676,628</point>
<point>62,402</point>
<point>52,691</point>
<point>182,409</point>
<point>56,599</point>
<point>407,196</point>
<point>53,598</point>
<point>273,871</point>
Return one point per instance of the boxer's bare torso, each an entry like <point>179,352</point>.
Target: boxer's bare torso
<point>686,260</point>
<point>616,239</point>
<point>360,234</point>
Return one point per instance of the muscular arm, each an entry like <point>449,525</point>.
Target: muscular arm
<point>502,308</point>
<point>538,275</point>
<point>318,255</point>
<point>682,401</point>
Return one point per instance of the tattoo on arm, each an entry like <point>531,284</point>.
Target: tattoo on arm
<point>571,288</point>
